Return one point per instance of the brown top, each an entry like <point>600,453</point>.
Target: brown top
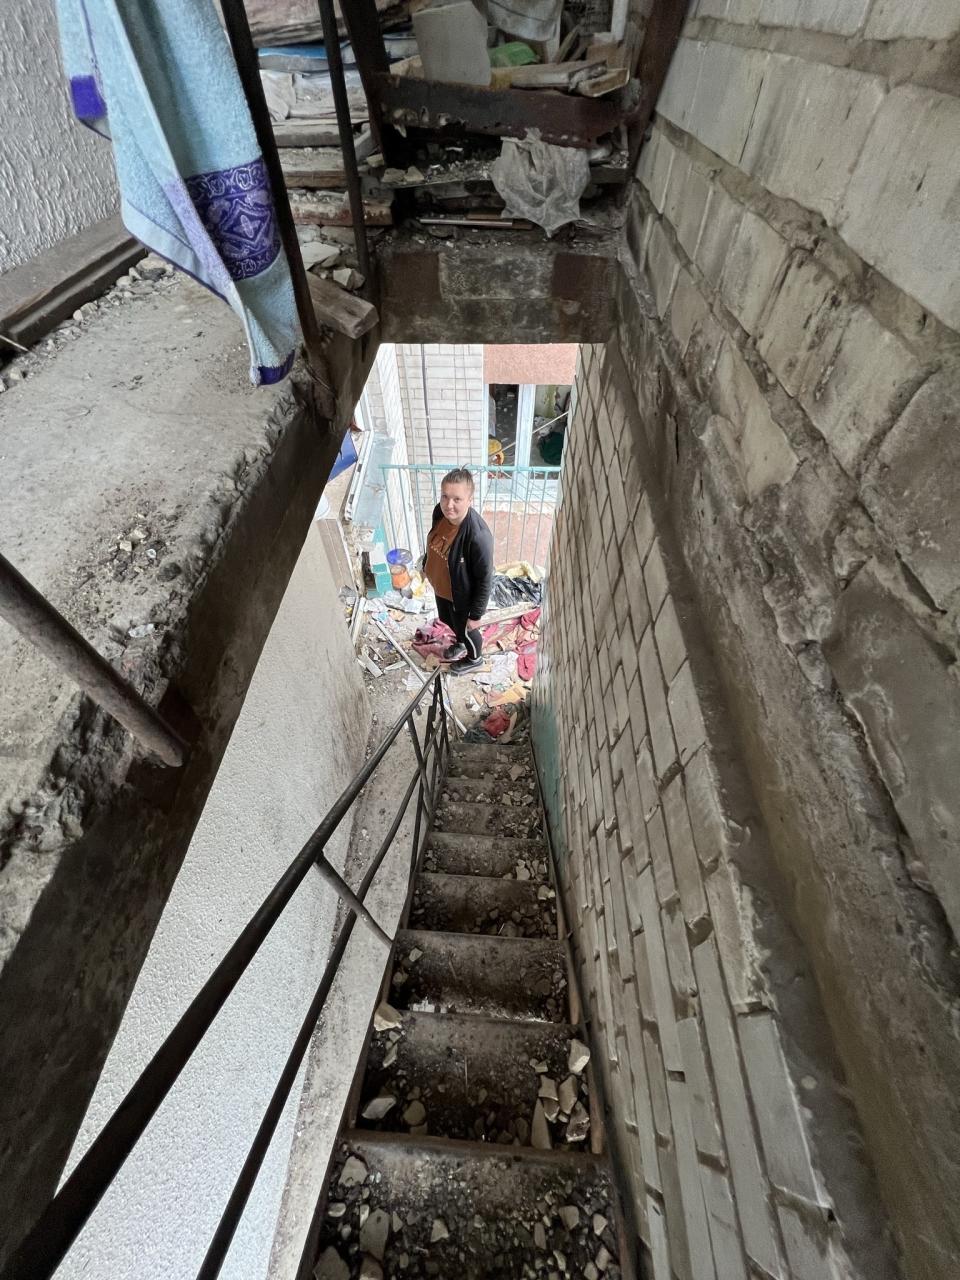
<point>438,549</point>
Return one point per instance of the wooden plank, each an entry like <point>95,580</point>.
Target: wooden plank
<point>334,211</point>
<point>36,297</point>
<point>340,310</point>
<point>571,121</point>
<point>609,82</point>
<point>306,133</point>
<point>316,169</point>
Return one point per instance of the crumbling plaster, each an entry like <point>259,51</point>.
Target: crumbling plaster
<point>55,177</point>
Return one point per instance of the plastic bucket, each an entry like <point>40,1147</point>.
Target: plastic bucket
<point>399,560</point>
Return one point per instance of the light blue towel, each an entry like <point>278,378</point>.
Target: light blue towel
<point>158,78</point>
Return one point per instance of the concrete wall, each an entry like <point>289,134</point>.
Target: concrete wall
<point>299,739</point>
<point>783,393</point>
<point>56,177</point>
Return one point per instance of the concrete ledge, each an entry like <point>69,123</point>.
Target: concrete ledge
<point>145,434</point>
<point>491,287</point>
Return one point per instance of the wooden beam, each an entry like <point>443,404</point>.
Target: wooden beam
<point>562,119</point>
<point>339,310</point>
<point>36,297</point>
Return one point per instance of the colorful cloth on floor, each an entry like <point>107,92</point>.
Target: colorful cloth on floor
<point>520,635</point>
<point>433,639</point>
<point>159,80</point>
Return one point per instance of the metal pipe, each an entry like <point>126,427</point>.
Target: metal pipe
<point>23,606</point>
<point>337,882</point>
<point>341,101</point>
<point>245,55</point>
<point>226,1228</point>
<point>45,1246</point>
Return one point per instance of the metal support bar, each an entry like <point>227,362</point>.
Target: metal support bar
<point>337,882</point>
<point>220,1245</point>
<point>421,763</point>
<point>331,42</point>
<point>245,55</point>
<point>39,1255</point>
<point>23,606</point>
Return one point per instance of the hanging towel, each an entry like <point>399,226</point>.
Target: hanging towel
<point>158,79</point>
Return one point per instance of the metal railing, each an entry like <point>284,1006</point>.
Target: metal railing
<point>50,1239</point>
<point>517,502</point>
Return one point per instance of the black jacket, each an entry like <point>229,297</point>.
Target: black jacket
<point>470,563</point>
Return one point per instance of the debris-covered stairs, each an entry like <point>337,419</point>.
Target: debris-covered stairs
<point>468,1150</point>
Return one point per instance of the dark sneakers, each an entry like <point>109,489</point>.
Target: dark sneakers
<point>454,652</point>
<point>465,666</point>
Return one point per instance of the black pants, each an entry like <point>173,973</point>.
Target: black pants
<point>457,622</point>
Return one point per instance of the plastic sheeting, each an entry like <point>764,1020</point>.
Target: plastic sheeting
<point>541,182</point>
<point>528,19</point>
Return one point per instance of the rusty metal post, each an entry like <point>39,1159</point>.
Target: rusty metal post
<point>341,100</point>
<point>245,55</point>
<point>22,605</point>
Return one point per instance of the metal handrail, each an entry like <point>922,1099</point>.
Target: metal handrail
<point>44,1248</point>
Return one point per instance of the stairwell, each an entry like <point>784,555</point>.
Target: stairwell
<point>472,1144</point>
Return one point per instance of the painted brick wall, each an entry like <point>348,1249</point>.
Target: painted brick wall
<point>756,610</point>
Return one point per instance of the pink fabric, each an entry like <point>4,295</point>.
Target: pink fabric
<point>431,641</point>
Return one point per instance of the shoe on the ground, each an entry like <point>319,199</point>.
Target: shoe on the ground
<point>466,665</point>
<point>454,652</point>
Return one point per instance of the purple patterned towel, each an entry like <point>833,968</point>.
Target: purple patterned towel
<point>158,79</point>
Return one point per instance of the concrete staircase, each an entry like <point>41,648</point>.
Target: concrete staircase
<point>472,1145</point>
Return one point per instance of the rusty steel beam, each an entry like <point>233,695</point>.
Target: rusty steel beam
<point>30,613</point>
<point>659,43</point>
<point>331,41</point>
<point>248,68</point>
<point>565,119</point>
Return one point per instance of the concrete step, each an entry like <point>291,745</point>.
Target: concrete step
<point>517,822</point>
<point>483,904</point>
<point>498,977</point>
<point>471,1077</point>
<point>477,761</point>
<point>490,790</point>
<point>467,855</point>
<point>489,1202</point>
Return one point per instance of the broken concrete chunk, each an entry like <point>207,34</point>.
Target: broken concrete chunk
<point>539,1133</point>
<point>331,1266</point>
<point>590,1272</point>
<point>551,1109</point>
<point>439,1231</point>
<point>540,1237</point>
<point>370,1269</point>
<point>375,1233</point>
<point>336,1209</point>
<point>353,1173</point>
<point>390,1057</point>
<point>415,1114</point>
<point>603,1258</point>
<point>570,1216</point>
<point>578,1056</point>
<point>599,1224</point>
<point>578,1126</point>
<point>378,1107</point>
<point>567,1094</point>
<point>386,1018</point>
<point>548,1088</point>
<point>414,955</point>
